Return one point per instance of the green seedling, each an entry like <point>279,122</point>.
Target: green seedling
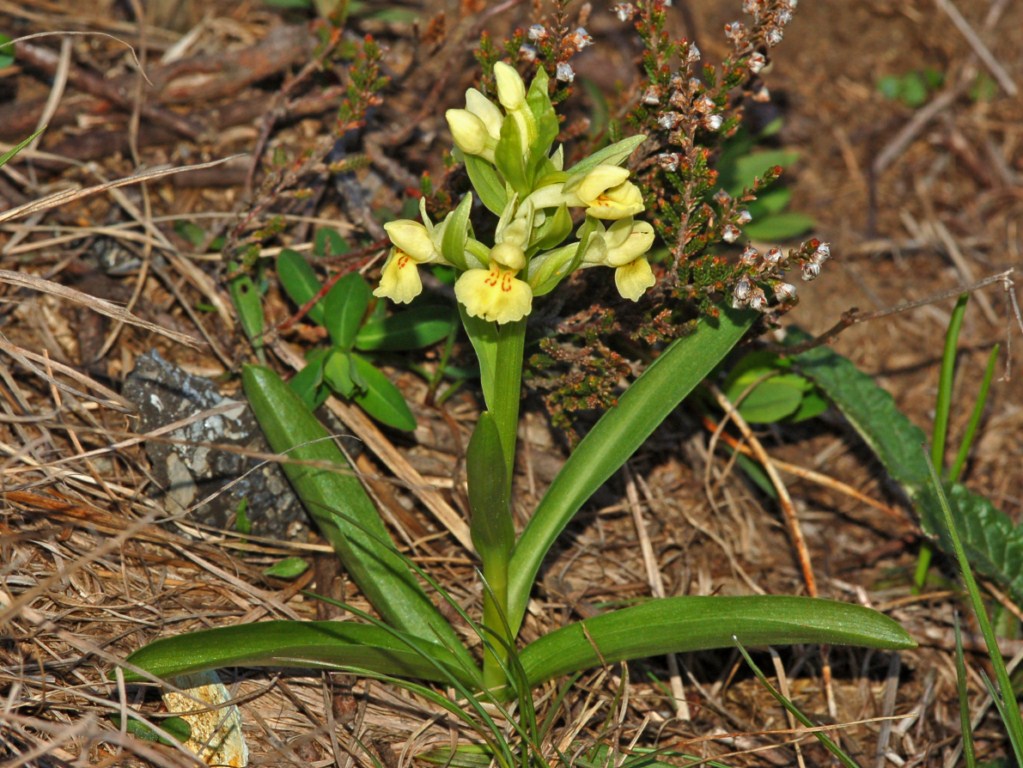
<point>912,88</point>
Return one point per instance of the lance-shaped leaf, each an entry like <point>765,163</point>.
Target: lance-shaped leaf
<point>620,431</point>
<point>343,511</point>
<point>682,624</point>
<point>489,491</point>
<point>306,644</point>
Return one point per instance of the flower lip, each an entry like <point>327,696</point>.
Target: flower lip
<point>494,294</point>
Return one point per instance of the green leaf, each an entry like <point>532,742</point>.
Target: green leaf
<point>345,306</point>
<point>249,305</point>
<point>191,232</point>
<point>870,410</point>
<point>993,542</point>
<point>328,242</point>
<point>338,374</point>
<point>313,644</point>
<point>618,434</point>
<point>780,226</point>
<point>487,183</point>
<point>379,398</point>
<point>288,568</point>
<point>343,511</point>
<point>6,156</point>
<point>6,56</point>
<point>421,326</point>
<point>614,154</point>
<point>547,125</point>
<point>489,491</point>
<point>176,727</point>
<point>308,383</point>
<point>456,231</point>
<point>682,624</point>
<point>299,281</point>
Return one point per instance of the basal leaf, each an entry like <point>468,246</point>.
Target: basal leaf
<point>682,624</point>
<point>343,511</point>
<point>308,645</point>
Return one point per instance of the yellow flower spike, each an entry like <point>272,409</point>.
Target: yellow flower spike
<point>607,194</point>
<point>496,294</point>
<point>634,278</point>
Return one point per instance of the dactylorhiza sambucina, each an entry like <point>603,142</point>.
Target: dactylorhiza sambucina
<point>507,149</point>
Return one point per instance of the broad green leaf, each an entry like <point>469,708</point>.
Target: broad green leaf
<point>994,543</point>
<point>547,125</point>
<point>750,167</point>
<point>314,644</point>
<point>615,154</point>
<point>456,232</point>
<point>870,410</point>
<point>682,624</point>
<point>344,308</point>
<point>421,326</point>
<point>772,201</point>
<point>299,281</point>
<point>620,431</point>
<point>343,511</point>
<point>773,400</point>
<point>288,568</point>
<point>378,397</point>
<point>487,183</point>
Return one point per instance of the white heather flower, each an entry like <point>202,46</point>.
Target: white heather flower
<point>757,61</point>
<point>773,36</point>
<point>692,54</point>
<point>581,38</point>
<point>811,270</point>
<point>536,32</point>
<point>744,217</point>
<point>624,11</point>
<point>652,96</point>
<point>564,72</point>
<point>773,256</point>
<point>712,122</point>
<point>721,197</point>
<point>758,299</point>
<point>668,161</point>
<point>730,233</point>
<point>785,291</point>
<point>741,291</point>
<point>749,256</point>
<point>527,53</point>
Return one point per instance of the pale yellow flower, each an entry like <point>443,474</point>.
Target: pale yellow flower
<point>496,294</point>
<point>511,91</point>
<point>414,244</point>
<point>607,193</point>
<point>622,247</point>
<point>634,278</point>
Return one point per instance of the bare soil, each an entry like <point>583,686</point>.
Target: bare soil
<point>916,203</point>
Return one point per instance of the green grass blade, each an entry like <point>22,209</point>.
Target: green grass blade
<point>344,512</point>
<point>313,644</point>
<point>828,743</point>
<point>6,156</point>
<point>966,727</point>
<point>681,624</point>
<point>955,471</point>
<point>1005,696</point>
<point>621,430</point>
<point>946,377</point>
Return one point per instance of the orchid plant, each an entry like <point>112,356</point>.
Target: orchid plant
<point>519,177</point>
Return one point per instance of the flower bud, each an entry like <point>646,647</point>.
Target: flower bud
<point>468,131</point>
<point>511,91</point>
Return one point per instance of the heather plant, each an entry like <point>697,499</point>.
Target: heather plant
<point>549,220</point>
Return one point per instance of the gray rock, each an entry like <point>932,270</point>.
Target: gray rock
<point>192,470</point>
